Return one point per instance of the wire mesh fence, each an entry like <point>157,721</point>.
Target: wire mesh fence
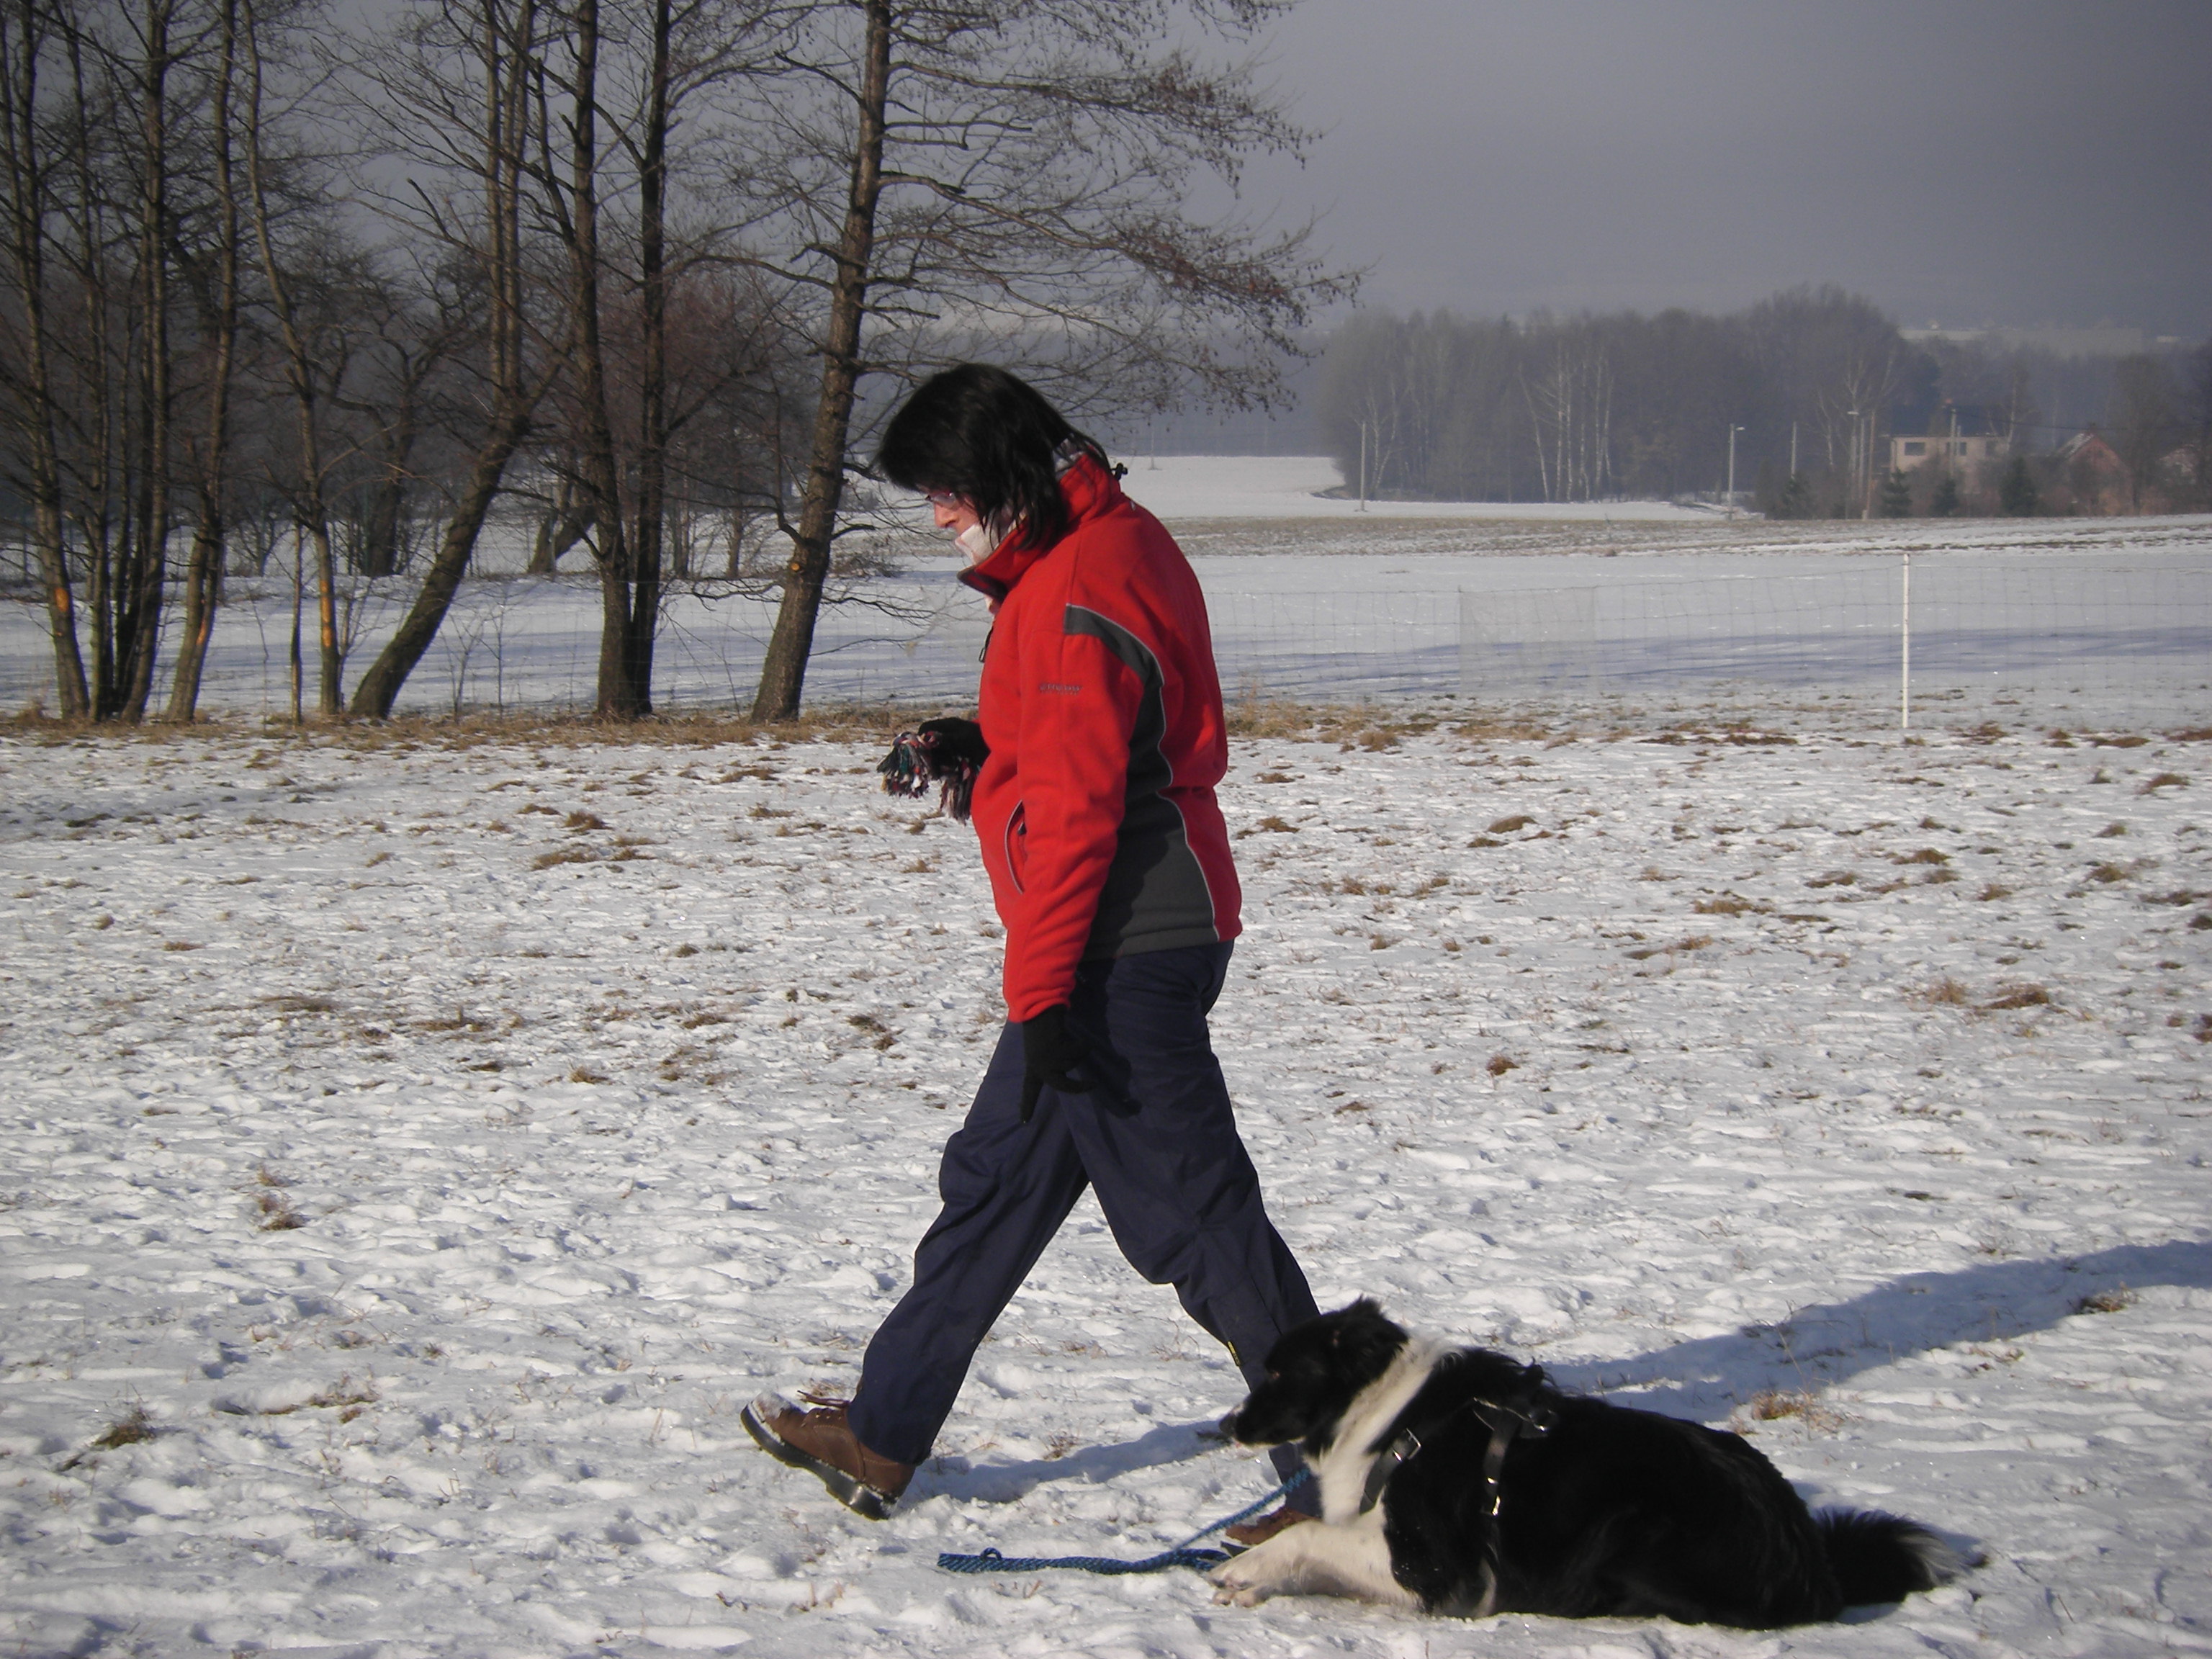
<point>1928,638</point>
<point>1937,638</point>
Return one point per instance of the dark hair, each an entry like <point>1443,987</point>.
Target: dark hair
<point>988,436</point>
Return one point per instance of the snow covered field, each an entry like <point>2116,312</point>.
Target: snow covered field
<point>1289,487</point>
<point>2071,622</point>
<point>416,1150</point>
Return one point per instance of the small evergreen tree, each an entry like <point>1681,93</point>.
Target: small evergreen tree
<point>2016,491</point>
<point>1945,501</point>
<point>1796,497</point>
<point>1896,495</point>
<point>1766,493</point>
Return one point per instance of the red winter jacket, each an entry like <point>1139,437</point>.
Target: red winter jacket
<point>1102,710</point>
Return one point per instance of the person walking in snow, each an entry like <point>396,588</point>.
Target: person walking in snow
<point>1100,740</point>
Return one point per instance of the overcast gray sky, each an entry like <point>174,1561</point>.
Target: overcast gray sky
<point>2013,161</point>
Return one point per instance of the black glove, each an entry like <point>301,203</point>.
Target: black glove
<point>1050,1053</point>
<point>947,752</point>
<point>958,741</point>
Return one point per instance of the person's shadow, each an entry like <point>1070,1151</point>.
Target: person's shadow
<point>1707,1377</point>
<point>1830,1341</point>
<point>1007,1483</point>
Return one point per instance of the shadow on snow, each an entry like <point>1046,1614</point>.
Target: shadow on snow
<point>1704,1378</point>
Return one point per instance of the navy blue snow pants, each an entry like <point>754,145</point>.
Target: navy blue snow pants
<point>1160,1146</point>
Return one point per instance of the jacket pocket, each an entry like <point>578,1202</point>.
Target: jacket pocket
<point>1017,845</point>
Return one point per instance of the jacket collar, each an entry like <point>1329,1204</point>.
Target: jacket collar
<point>1088,489</point>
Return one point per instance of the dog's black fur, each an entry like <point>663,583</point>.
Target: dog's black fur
<point>1611,1512</point>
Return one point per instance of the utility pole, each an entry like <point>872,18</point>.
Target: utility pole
<point>1733,430</point>
<point>1851,454</point>
<point>1865,465</point>
<point>1793,449</point>
<point>1905,652</point>
<point>1363,466</point>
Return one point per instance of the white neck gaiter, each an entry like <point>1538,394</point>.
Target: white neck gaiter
<point>977,542</point>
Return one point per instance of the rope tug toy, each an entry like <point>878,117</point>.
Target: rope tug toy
<point>1183,1555</point>
<point>919,759</point>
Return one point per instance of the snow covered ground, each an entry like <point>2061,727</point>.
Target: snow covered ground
<point>414,1152</point>
<point>2072,621</point>
<point>1290,486</point>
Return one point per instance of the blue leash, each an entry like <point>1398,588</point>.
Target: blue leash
<point>1183,1555</point>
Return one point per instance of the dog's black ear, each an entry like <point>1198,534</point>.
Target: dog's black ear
<point>1364,1339</point>
<point>1352,1315</point>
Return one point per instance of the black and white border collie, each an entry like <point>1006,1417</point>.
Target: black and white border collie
<point>1459,1481</point>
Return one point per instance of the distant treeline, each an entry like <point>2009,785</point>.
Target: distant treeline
<point>1816,380</point>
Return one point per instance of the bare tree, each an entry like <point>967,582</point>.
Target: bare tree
<point>2145,415</point>
<point>2197,422</point>
<point>218,294</point>
<point>412,325</point>
<point>104,107</point>
<point>941,174</point>
<point>27,40</point>
<point>456,89</point>
<point>1571,405</point>
<point>624,76</point>
<point>314,364</point>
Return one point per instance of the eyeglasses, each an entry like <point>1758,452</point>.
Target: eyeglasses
<point>945,499</point>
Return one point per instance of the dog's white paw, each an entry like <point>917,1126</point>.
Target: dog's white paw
<point>1230,1591</point>
<point>1248,1579</point>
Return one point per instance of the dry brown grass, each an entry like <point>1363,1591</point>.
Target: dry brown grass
<point>293,1004</point>
<point>277,1215</point>
<point>1945,993</point>
<point>1730,904</point>
<point>2161,780</point>
<point>1252,713</point>
<point>2107,1302</point>
<point>128,1429</point>
<point>1780,1405</point>
<point>1501,1064</point>
<point>2017,996</point>
<point>835,723</point>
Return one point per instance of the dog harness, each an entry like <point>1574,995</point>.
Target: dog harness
<point>1506,1425</point>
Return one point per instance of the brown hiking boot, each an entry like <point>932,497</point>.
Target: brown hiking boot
<point>1249,1532</point>
<point>821,1442</point>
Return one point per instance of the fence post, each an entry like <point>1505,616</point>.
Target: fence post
<point>1905,655</point>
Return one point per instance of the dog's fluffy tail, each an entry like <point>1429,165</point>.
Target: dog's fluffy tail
<point>1885,1558</point>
